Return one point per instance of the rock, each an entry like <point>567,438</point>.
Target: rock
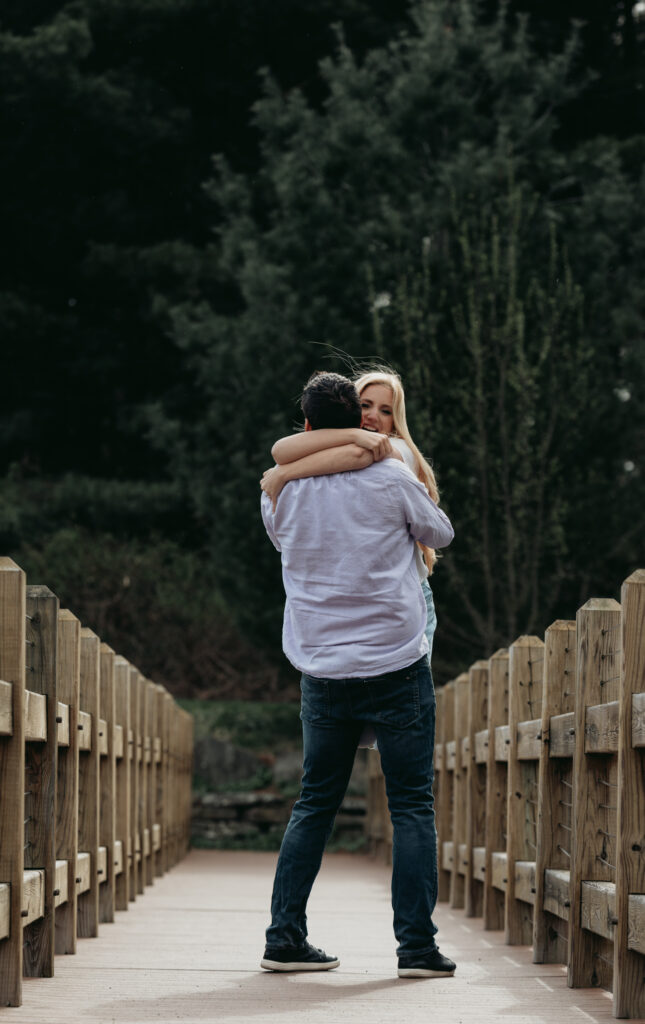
<point>287,767</point>
<point>218,763</point>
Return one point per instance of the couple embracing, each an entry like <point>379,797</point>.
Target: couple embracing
<point>357,526</point>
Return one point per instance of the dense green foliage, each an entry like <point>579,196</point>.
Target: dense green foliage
<point>453,189</point>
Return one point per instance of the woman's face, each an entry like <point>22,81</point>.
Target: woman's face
<point>376,404</point>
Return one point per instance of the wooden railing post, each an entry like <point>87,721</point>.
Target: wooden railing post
<point>134,858</point>
<point>444,808</point>
<point>160,777</point>
<point>593,849</point>
<point>496,787</point>
<point>89,783</point>
<point>151,770</point>
<point>629,963</point>
<point>69,667</point>
<point>12,773</point>
<point>457,881</point>
<point>476,796</point>
<point>123,869</point>
<point>526,658</point>
<point>552,869</point>
<point>108,799</point>
<point>41,762</point>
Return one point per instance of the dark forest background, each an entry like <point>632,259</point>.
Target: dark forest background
<point>203,202</point>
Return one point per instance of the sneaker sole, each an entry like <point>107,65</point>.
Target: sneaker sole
<point>421,972</point>
<point>298,965</point>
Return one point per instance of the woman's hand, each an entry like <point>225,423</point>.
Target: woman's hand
<point>377,444</point>
<point>272,482</point>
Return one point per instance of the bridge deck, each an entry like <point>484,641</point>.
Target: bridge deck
<point>189,950</point>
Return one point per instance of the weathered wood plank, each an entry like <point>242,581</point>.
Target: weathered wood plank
<point>496,775</point>
<point>526,669</point>
<point>481,747</point>
<point>118,741</point>
<point>107,771</point>
<point>33,896</point>
<point>122,844</point>
<point>89,782</point>
<point>41,766</point>
<point>554,787</point>
<point>529,740</point>
<point>84,731</point>
<point>598,624</point>
<point>102,862</point>
<point>84,872</point>
<point>638,720</point>
<point>69,668</point>
<point>601,728</point>
<point>61,883</point>
<point>499,871</point>
<point>479,862</point>
<point>562,732</point>
<point>525,881</point>
<point>556,893</point>
<point>629,966</point>
<point>598,908</point>
<point>502,742</point>
<point>636,929</point>
<point>13,623</point>
<point>62,724</point>
<point>459,824</point>
<point>6,709</point>
<point>35,717</point>
<point>476,783</point>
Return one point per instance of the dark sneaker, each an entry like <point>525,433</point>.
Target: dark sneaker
<point>426,965</point>
<point>298,958</point>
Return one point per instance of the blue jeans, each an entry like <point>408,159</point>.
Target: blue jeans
<point>401,706</point>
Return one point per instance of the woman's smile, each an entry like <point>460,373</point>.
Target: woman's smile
<point>376,406</point>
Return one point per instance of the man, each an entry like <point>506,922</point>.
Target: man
<point>354,626</point>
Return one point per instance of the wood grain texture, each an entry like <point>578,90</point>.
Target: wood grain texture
<point>481,746</point>
<point>41,767</point>
<point>496,776</point>
<point>134,743</point>
<point>476,787</point>
<point>89,784</point>
<point>592,851</point>
<point>601,728</point>
<point>554,794</point>
<point>629,965</point>
<point>122,706</point>
<point>12,772</point>
<point>562,733</point>
<point>444,805</point>
<point>526,667</point>
<point>459,824</point>
<point>107,783</point>
<point>69,668</point>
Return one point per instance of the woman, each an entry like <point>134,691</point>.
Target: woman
<point>383,428</point>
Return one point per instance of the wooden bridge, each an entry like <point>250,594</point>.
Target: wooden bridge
<point>190,951</point>
<point>95,772</point>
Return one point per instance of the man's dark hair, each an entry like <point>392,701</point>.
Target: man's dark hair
<point>330,400</point>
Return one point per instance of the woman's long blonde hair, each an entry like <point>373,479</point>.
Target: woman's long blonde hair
<point>389,379</point>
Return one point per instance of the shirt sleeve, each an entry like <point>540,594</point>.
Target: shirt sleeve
<point>426,522</point>
<point>267,519</point>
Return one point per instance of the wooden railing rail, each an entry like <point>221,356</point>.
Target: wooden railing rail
<point>540,795</point>
<point>95,782</point>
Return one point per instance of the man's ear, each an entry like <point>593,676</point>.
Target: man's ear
<point>308,425</point>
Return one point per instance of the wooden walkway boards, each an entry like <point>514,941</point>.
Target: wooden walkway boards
<point>189,950</point>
